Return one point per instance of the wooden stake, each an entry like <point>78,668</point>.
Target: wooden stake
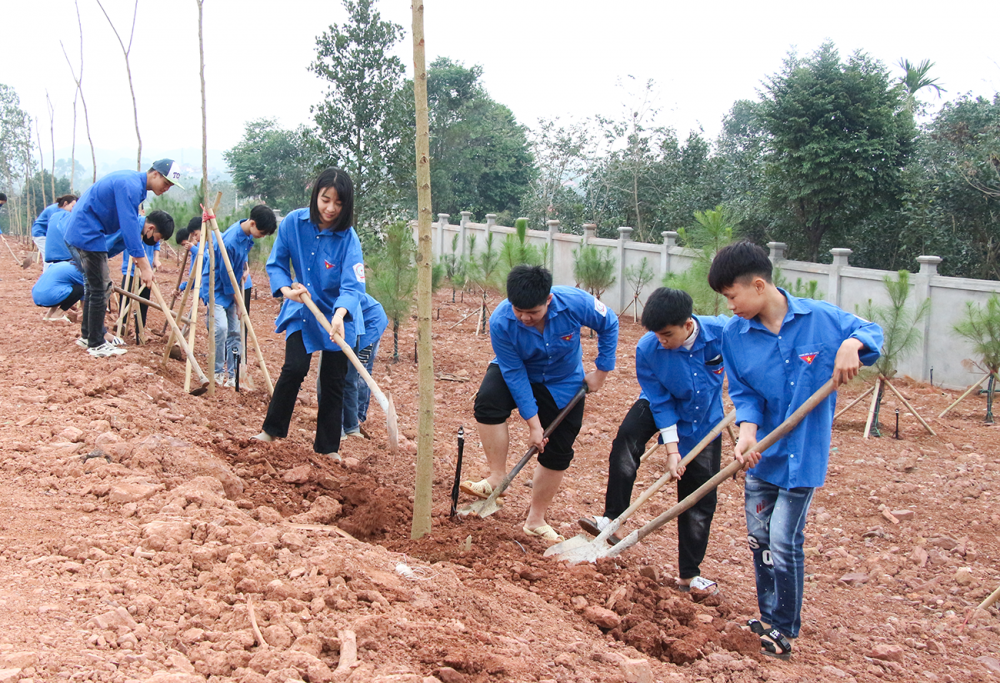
<point>908,406</point>
<point>988,602</point>
<point>180,311</point>
<point>140,332</point>
<point>202,380</point>
<point>177,287</point>
<point>856,401</point>
<point>965,395</point>
<point>194,308</point>
<point>871,411</point>
<point>124,306</point>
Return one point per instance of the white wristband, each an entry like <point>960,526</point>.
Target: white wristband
<point>669,434</point>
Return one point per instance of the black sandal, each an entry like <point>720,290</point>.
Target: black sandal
<point>773,641</point>
<point>756,627</point>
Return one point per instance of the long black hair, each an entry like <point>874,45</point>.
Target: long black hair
<point>341,182</point>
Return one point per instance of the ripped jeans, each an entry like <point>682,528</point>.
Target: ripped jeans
<point>776,520</point>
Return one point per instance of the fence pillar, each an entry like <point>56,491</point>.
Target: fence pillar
<point>463,227</point>
<point>922,290</point>
<point>589,232</point>
<point>669,242</point>
<point>840,257</point>
<point>550,246</point>
<point>491,220</point>
<point>443,221</point>
<point>624,235</point>
<point>778,250</point>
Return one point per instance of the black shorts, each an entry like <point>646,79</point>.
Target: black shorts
<point>494,404</point>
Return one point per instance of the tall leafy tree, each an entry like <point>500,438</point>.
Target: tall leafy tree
<point>563,155</point>
<point>741,147</point>
<point>274,164</point>
<point>838,139</point>
<point>361,120</point>
<point>916,78</point>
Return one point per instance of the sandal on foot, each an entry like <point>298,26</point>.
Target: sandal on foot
<point>263,436</point>
<point>595,525</point>
<point>480,489</point>
<point>756,627</point>
<point>544,531</point>
<point>773,644</point>
<point>700,583</point>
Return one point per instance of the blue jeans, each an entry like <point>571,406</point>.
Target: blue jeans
<point>357,395</point>
<point>227,337</point>
<point>776,518</point>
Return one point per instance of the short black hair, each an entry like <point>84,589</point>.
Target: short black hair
<point>740,260</point>
<point>528,286</point>
<point>181,235</point>
<point>341,182</point>
<point>163,222</point>
<point>3,197</point>
<point>667,307</point>
<point>194,225</point>
<point>263,216</point>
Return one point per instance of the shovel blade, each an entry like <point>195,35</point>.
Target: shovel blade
<point>481,508</point>
<point>569,544</point>
<point>587,552</point>
<point>392,425</point>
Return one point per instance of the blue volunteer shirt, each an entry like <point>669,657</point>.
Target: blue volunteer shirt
<point>372,321</point>
<point>110,204</point>
<point>150,250</point>
<point>684,387</point>
<point>249,281</point>
<point>55,284</point>
<point>331,267</point>
<point>771,375</point>
<point>553,357</point>
<point>41,225</point>
<point>55,243</point>
<point>191,259</point>
<point>238,245</point>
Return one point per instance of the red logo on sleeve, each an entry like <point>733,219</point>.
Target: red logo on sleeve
<point>568,337</point>
<point>809,357</point>
<point>328,265</point>
<point>719,371</point>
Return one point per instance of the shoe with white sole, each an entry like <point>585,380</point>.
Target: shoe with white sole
<point>595,525</point>
<point>81,342</point>
<point>230,382</point>
<point>699,583</point>
<point>106,350</point>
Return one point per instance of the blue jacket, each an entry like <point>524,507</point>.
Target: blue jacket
<point>55,243</point>
<point>329,264</point>
<point>249,282</point>
<point>553,357</point>
<point>238,245</point>
<point>193,256</point>
<point>150,250</point>
<point>684,388</point>
<point>771,375</point>
<point>370,320</point>
<point>41,225</point>
<point>55,284</point>
<point>110,204</point>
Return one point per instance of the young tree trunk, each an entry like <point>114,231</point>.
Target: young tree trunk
<point>41,167</point>
<point>395,340</point>
<point>425,369</point>
<point>205,202</point>
<point>79,89</point>
<point>52,140</point>
<point>128,69</point>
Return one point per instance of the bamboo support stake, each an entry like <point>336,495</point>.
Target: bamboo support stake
<point>136,311</point>
<point>855,402</point>
<point>177,287</point>
<point>965,395</point>
<point>123,306</point>
<point>238,298</point>
<point>908,406</point>
<point>871,410</point>
<point>202,380</point>
<point>194,308</point>
<point>184,299</point>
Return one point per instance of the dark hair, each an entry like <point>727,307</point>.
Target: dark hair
<point>666,307</point>
<point>3,197</point>
<point>341,182</point>
<point>740,260</point>
<point>528,286</point>
<point>181,235</point>
<point>163,222</point>
<point>65,199</point>
<point>194,224</point>
<point>264,218</point>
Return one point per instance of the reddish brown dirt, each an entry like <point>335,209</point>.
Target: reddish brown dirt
<point>139,563</point>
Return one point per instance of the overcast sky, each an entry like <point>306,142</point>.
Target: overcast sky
<point>542,58</point>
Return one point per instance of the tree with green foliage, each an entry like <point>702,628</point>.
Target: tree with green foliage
<point>516,250</point>
<point>273,164</point>
<point>838,138</point>
<point>637,278</point>
<point>392,278</point>
<point>563,154</point>
<point>981,326</point>
<point>741,150</point>
<point>803,290</point>
<point>594,269</point>
<point>362,119</point>
<point>484,270</point>
<point>15,163</point>
<point>712,230</point>
<point>915,78</point>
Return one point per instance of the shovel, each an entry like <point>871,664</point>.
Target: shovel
<point>202,380</point>
<point>592,553</point>
<point>384,401</point>
<point>485,508</point>
<point>458,473</point>
<point>580,541</point>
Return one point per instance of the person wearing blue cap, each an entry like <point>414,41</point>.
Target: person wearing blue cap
<point>109,205</point>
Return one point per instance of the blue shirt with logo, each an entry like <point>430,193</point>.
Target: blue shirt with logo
<point>55,243</point>
<point>771,375</point>
<point>331,267</point>
<point>56,283</point>
<point>553,357</point>
<point>684,387</point>
<point>109,205</point>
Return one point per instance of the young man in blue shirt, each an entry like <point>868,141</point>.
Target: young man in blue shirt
<point>778,351</point>
<point>679,366</point>
<point>538,369</point>
<point>55,234</point>
<point>357,395</point>
<point>109,205</point>
<point>163,223</point>
<point>58,289</point>
<point>191,240</point>
<point>238,241</point>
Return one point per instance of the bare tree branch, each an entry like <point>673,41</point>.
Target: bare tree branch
<point>128,70</point>
<point>79,90</point>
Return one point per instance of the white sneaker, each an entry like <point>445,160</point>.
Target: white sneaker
<point>220,379</point>
<point>230,382</point>
<point>106,350</point>
<point>81,342</point>
<point>601,522</point>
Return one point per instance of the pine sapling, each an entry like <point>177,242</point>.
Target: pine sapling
<point>393,277</point>
<point>981,326</point>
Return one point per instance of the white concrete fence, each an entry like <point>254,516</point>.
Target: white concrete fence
<point>839,283</point>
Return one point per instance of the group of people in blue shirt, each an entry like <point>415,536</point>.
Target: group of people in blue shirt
<point>777,350</point>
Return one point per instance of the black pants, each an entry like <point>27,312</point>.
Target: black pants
<point>246,332</point>
<point>97,291</point>
<point>694,525</point>
<point>75,295</point>
<point>494,404</point>
<point>331,401</point>
<point>144,293</point>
